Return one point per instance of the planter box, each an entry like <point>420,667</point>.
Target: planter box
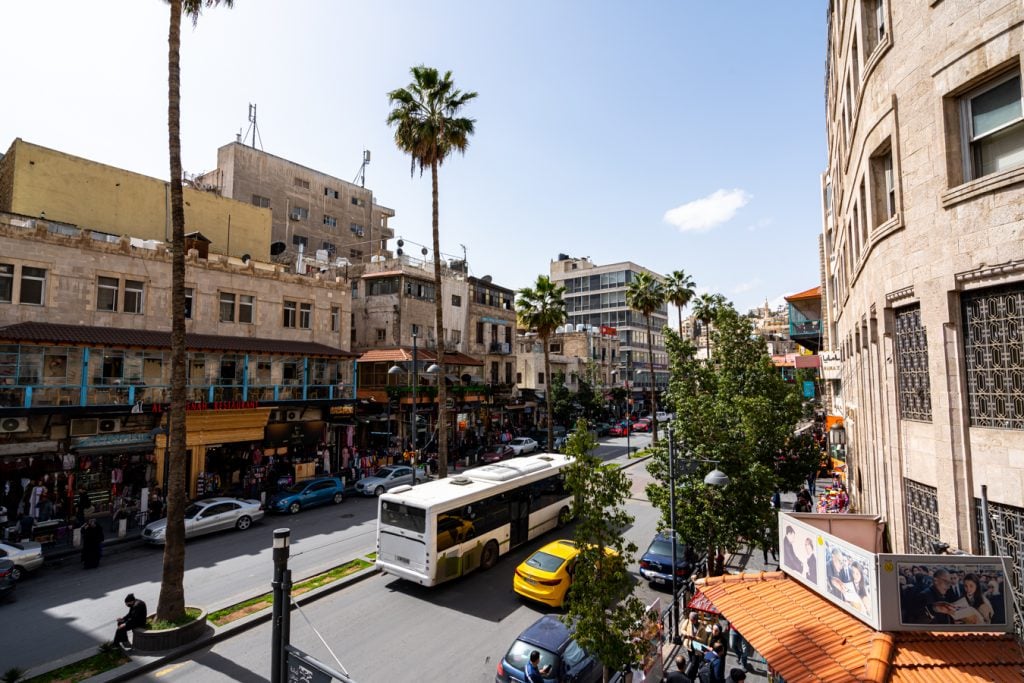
<point>144,640</point>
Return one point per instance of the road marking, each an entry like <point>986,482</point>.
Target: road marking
<point>169,669</point>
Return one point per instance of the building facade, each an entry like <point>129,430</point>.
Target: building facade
<point>924,267</point>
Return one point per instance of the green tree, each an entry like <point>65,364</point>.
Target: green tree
<point>428,128</point>
<point>563,403</point>
<point>541,308</point>
<point>601,603</point>
<point>646,294</point>
<point>737,411</point>
<point>679,292</point>
<point>590,402</point>
<point>171,603</point>
<point>705,309</point>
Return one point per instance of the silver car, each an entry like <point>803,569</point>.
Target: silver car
<point>385,479</point>
<point>26,556</point>
<point>523,445</point>
<point>207,516</point>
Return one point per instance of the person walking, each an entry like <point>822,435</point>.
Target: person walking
<point>535,673</point>
<point>92,544</point>
<point>136,618</point>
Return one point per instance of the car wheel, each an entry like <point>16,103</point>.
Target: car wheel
<point>378,491</point>
<point>337,499</point>
<point>489,555</point>
<point>17,573</point>
<point>243,523</point>
<point>293,508</point>
<point>564,515</point>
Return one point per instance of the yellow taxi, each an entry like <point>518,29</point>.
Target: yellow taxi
<point>546,575</point>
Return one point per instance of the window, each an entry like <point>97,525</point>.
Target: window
<point>356,201</point>
<point>456,300</point>
<point>994,127</point>
<point>519,378</point>
<point>299,213</point>
<point>508,373</point>
<point>540,378</point>
<point>355,254</point>
<point>304,184</point>
<point>355,289</point>
<point>335,318</point>
<point>188,303</point>
<point>329,248</point>
<point>300,241</point>
<point>262,202</point>
<point>133,296</point>
<point>994,356</point>
<point>382,334</point>
<point>356,229</point>
<point>328,192</point>
<point>456,336</point>
<point>246,307</point>
<point>106,293</point>
<point>289,313</point>
<point>330,221</point>
<point>883,185</point>
<point>305,316</point>
<point>479,332</point>
<point>555,347</point>
<point>227,307</point>
<point>33,286</point>
<point>6,283</point>
<point>913,385</point>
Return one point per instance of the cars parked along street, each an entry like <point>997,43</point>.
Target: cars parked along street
<point>546,575</point>
<point>553,640</point>
<point>307,494</point>
<point>523,445</point>
<point>207,516</point>
<point>497,453</point>
<point>385,479</point>
<point>7,582</point>
<point>26,556</point>
<point>656,562</point>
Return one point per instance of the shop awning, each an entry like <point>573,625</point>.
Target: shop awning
<point>806,638</point>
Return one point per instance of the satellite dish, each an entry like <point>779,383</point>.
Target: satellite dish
<point>423,251</point>
<point>277,248</point>
<point>401,242</point>
<point>246,258</point>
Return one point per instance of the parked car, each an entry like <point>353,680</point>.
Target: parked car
<point>207,516</point>
<point>307,494</point>
<point>26,556</point>
<point>663,416</point>
<point>523,445</point>
<point>385,479</point>
<point>546,575</point>
<point>642,425</point>
<point>7,582</point>
<point>619,429</point>
<point>656,562</point>
<point>497,453</point>
<point>559,444</point>
<point>553,640</point>
<point>602,428</point>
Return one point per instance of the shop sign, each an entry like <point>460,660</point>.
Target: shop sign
<point>343,410</point>
<point>831,366</point>
<point>124,439</point>
<point>609,331</point>
<point>203,405</point>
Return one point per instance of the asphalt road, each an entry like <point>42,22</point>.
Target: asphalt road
<point>64,612</point>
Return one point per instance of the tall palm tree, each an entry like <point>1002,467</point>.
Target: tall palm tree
<point>679,292</point>
<point>428,129</point>
<point>541,308</point>
<point>705,310</point>
<point>646,294</point>
<point>171,604</point>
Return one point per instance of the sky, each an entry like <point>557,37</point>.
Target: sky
<point>680,135</point>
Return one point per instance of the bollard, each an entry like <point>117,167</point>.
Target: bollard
<point>122,527</point>
<point>76,537</point>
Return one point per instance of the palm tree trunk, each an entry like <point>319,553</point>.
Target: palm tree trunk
<point>442,388</point>
<point>171,604</point>
<point>654,404</point>
<point>679,310</point>
<point>547,394</point>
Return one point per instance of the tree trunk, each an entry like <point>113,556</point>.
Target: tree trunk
<point>547,394</point>
<point>679,310</point>
<point>654,404</point>
<point>171,604</point>
<point>442,388</point>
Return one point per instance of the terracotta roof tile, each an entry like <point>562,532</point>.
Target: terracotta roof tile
<point>807,638</point>
<point>812,293</point>
<point>404,354</point>
<point>84,335</point>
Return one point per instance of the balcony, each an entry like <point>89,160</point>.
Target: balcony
<point>804,328</point>
<point>501,348</point>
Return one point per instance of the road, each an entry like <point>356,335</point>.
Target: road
<point>65,611</point>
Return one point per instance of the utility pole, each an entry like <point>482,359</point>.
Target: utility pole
<point>280,627</point>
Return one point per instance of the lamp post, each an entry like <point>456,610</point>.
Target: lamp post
<point>282,597</point>
<point>629,405</point>
<point>414,379</point>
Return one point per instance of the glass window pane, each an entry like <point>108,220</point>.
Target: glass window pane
<point>996,107</point>
<point>132,296</point>
<point>227,308</point>
<point>6,283</point>
<point>245,308</point>
<point>33,282</point>
<point>1000,151</point>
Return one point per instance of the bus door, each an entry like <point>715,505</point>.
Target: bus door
<point>519,516</point>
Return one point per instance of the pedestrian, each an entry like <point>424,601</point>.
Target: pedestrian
<point>738,644</point>
<point>714,664</point>
<point>136,618</point>
<point>776,502</point>
<point>84,503</point>
<point>25,526</point>
<point>92,544</point>
<point>535,673</point>
<point>679,675</point>
<point>736,675</point>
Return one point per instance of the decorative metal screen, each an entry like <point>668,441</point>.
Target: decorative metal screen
<point>922,516</point>
<point>994,353</point>
<point>912,365</point>
<point>1006,528</point>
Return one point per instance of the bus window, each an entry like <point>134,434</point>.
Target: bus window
<point>452,530</point>
<point>403,517</point>
<point>546,492</point>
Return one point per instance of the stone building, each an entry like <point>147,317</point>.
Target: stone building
<point>924,266</point>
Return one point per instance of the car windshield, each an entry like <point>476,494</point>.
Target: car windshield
<point>662,547</point>
<point>519,654</point>
<point>518,441</point>
<point>192,510</point>
<point>296,488</point>
<point>383,472</point>
<point>545,562</point>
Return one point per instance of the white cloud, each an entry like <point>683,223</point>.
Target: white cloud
<point>708,212</point>
<point>762,223</point>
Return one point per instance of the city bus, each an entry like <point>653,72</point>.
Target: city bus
<point>443,529</point>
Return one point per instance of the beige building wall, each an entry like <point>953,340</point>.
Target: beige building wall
<point>930,233</point>
<point>37,181</point>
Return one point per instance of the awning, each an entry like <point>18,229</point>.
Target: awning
<point>805,637</point>
<point>701,603</point>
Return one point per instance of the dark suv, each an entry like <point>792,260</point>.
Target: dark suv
<point>7,582</point>
<point>553,640</point>
<point>656,562</point>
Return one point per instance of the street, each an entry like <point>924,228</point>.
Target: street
<point>65,611</point>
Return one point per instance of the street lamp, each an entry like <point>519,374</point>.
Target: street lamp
<point>414,380</point>
<point>713,478</point>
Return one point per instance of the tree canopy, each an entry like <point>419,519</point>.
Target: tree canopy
<point>541,308</point>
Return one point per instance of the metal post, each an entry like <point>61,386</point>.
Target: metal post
<point>672,523</point>
<point>415,380</point>
<point>277,643</point>
<point>986,533</point>
<point>286,622</point>
<point>629,406</point>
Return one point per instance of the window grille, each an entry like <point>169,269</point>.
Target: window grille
<point>912,365</point>
<point>994,354</point>
<point>922,516</point>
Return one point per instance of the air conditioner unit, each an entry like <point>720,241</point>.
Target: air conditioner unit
<point>9,425</point>
<point>109,426</point>
<point>506,348</point>
<point>293,415</point>
<point>84,427</point>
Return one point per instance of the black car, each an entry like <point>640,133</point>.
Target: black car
<point>553,640</point>
<point>656,562</point>
<point>7,582</point>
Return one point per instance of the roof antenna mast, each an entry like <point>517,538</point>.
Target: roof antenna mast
<point>361,174</point>
<point>253,128</point>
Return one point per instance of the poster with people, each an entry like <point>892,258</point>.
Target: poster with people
<point>849,576</point>
<point>946,593</point>
<point>799,552</point>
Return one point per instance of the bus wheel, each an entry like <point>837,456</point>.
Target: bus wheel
<point>563,518</point>
<point>489,555</point>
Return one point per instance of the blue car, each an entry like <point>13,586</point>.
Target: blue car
<point>306,494</point>
<point>553,640</point>
<point>656,562</point>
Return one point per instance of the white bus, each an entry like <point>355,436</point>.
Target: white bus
<point>446,528</point>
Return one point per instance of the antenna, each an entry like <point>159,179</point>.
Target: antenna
<point>361,173</point>
<point>254,128</point>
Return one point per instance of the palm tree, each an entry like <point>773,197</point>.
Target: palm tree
<point>646,294</point>
<point>428,129</point>
<point>706,310</point>
<point>171,604</point>
<point>679,292</point>
<point>541,308</point>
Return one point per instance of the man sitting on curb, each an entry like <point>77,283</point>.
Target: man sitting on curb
<point>136,618</point>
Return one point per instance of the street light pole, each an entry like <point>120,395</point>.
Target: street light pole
<point>672,523</point>
<point>415,381</point>
<point>279,632</point>
<point>629,405</point>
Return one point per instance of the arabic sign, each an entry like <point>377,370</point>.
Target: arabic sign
<point>831,365</point>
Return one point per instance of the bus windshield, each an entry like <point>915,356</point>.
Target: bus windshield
<point>403,516</point>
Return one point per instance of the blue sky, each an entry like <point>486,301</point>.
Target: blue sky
<point>678,135</point>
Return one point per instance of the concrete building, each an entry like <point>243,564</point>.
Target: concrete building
<point>310,208</point>
<point>924,266</point>
<point>595,296</point>
<point>588,355</point>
